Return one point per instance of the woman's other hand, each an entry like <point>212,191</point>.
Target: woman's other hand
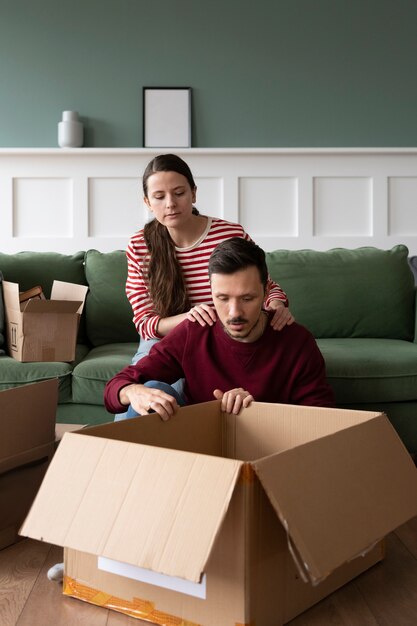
<point>282,315</point>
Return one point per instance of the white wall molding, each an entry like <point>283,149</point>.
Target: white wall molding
<point>320,198</point>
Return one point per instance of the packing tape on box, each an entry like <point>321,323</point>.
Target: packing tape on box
<point>141,609</point>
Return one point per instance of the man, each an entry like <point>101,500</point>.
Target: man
<point>237,359</point>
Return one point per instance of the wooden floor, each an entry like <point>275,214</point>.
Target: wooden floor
<point>385,595</point>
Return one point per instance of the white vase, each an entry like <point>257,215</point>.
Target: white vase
<point>70,130</point>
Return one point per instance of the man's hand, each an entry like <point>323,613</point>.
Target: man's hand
<point>234,400</point>
<point>203,314</point>
<point>145,399</point>
<point>282,316</point>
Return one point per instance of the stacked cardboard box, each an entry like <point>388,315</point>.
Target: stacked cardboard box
<point>27,433</point>
<point>217,520</point>
<point>40,329</point>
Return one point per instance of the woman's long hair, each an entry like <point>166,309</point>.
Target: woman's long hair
<point>166,281</point>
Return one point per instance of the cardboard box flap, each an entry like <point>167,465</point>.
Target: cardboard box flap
<point>28,404</point>
<point>69,291</point>
<point>51,306</point>
<point>155,508</point>
<point>339,494</point>
<point>11,296</point>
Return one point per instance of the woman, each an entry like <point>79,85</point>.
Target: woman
<point>168,259</point>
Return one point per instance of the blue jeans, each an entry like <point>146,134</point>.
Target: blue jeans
<point>157,384</point>
<point>143,350</point>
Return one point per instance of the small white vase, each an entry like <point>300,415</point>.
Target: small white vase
<point>70,130</point>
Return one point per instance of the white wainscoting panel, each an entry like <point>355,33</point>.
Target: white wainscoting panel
<point>76,199</point>
<point>42,207</point>
<point>402,205</point>
<point>115,207</point>
<point>342,206</point>
<point>210,195</point>
<point>269,205</point>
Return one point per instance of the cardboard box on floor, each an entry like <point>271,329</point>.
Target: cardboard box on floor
<point>43,330</point>
<point>27,433</point>
<point>217,520</point>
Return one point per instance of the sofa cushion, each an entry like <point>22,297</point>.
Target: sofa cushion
<point>13,373</point>
<point>365,292</point>
<point>88,414</point>
<point>101,364</point>
<point>370,370</point>
<point>29,269</point>
<point>108,311</point>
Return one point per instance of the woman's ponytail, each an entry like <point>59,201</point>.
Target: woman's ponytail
<point>166,282</point>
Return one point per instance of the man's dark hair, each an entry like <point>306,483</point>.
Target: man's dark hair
<point>236,254</point>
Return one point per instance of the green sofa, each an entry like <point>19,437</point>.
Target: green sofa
<point>361,307</point>
<point>359,304</point>
<point>107,338</point>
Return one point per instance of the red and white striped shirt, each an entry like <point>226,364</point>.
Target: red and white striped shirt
<point>194,263</point>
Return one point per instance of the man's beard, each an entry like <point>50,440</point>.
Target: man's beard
<point>240,320</point>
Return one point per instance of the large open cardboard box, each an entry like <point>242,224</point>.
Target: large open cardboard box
<point>43,330</point>
<point>219,520</point>
<point>27,434</point>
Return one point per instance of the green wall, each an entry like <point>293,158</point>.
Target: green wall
<point>264,73</point>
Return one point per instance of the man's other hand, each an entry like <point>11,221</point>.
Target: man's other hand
<point>234,400</point>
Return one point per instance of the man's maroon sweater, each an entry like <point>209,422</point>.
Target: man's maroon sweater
<point>281,366</point>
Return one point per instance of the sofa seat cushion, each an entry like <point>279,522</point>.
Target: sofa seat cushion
<point>101,364</point>
<point>13,373</point>
<point>371,370</point>
<point>85,414</point>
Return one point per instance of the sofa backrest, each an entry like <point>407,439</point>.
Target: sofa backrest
<point>108,311</point>
<point>29,269</point>
<point>366,292</point>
